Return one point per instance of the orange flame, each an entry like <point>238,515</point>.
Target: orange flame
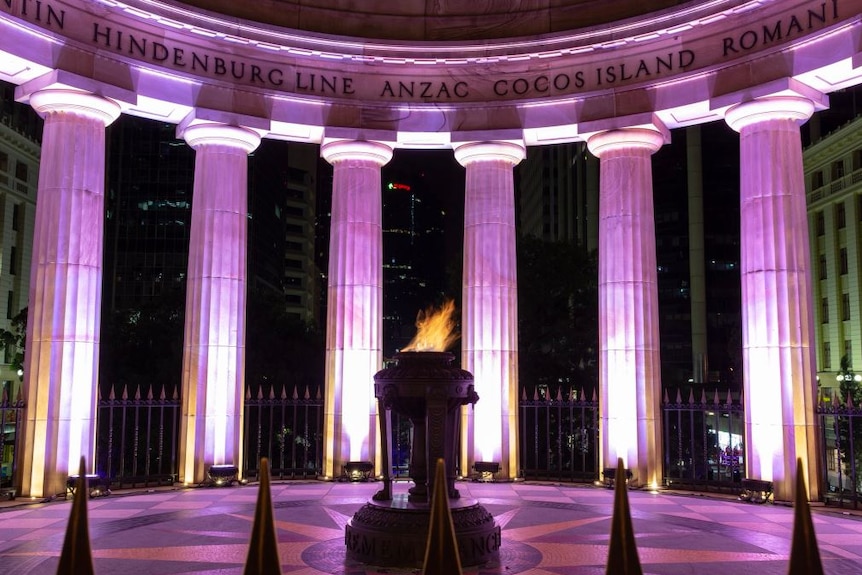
<point>436,329</point>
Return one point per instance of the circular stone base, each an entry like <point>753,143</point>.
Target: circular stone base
<point>394,533</point>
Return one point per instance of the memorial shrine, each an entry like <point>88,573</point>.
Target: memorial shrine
<point>482,79</point>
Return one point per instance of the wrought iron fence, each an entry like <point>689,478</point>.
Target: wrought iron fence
<point>12,422</point>
<point>841,430</point>
<point>401,431</point>
<point>285,427</point>
<point>137,436</point>
<point>703,440</point>
<point>559,436</point>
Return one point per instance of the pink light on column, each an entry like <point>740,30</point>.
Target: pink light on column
<point>777,331</point>
<point>61,369</point>
<point>214,339</point>
<point>630,378</point>
<point>354,340</point>
<point>490,302</point>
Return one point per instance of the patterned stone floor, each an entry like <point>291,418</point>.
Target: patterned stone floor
<point>547,530</point>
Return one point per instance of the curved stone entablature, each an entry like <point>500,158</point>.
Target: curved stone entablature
<point>676,67</point>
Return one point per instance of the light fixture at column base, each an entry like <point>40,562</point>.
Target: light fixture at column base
<point>222,475</point>
<point>485,470</point>
<point>357,471</point>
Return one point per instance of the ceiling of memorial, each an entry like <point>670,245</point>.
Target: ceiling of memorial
<point>437,20</point>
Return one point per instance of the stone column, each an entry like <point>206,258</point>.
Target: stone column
<point>354,316</point>
<point>630,374</point>
<point>61,365</point>
<point>489,325</point>
<point>777,329</point>
<point>214,339</point>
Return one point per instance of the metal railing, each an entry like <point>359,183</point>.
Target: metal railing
<point>287,428</point>
<point>559,436</point>
<point>841,431</point>
<point>137,436</point>
<point>703,440</point>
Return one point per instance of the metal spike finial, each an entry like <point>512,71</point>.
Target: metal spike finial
<point>622,551</point>
<point>441,549</point>
<point>804,554</point>
<point>263,548</point>
<point>76,558</point>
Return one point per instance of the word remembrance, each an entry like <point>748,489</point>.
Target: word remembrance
<point>279,68</point>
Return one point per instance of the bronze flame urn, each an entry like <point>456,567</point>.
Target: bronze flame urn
<point>391,529</point>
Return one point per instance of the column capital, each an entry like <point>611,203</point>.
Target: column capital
<point>335,151</point>
<point>512,152</point>
<point>216,134</point>
<point>648,139</point>
<point>793,108</point>
<point>71,101</point>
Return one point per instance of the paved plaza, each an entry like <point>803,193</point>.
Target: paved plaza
<point>547,530</point>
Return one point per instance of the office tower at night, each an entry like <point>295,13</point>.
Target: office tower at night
<point>20,147</point>
<point>833,178</point>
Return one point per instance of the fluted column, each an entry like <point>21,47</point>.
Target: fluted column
<point>61,365</point>
<point>630,374</point>
<point>354,338</point>
<point>214,339</point>
<point>489,324</point>
<point>778,364</point>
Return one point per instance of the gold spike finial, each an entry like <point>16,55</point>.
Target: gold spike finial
<point>441,550</point>
<point>804,554</point>
<point>76,559</point>
<point>622,551</point>
<point>263,549</point>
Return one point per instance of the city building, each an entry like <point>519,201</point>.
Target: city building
<point>20,138</point>
<point>558,194</point>
<point>833,178</point>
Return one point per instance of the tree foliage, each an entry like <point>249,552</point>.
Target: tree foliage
<point>281,351</point>
<point>14,339</point>
<point>142,347</point>
<point>849,428</point>
<point>557,315</point>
